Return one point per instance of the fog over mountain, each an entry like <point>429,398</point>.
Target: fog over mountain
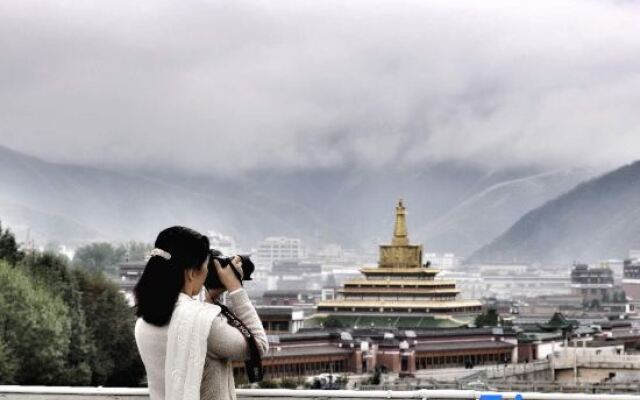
<point>309,118</point>
<point>597,220</point>
<point>451,207</point>
<point>488,213</point>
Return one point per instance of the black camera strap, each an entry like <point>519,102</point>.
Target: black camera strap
<point>253,365</point>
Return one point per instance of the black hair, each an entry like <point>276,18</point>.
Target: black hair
<point>159,286</point>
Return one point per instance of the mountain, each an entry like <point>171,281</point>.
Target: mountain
<point>76,204</point>
<point>597,220</point>
<point>350,206</point>
<point>488,213</point>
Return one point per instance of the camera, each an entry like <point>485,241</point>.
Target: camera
<point>213,280</point>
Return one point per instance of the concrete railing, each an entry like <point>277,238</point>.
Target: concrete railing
<point>509,370</point>
<point>76,393</point>
<point>597,361</point>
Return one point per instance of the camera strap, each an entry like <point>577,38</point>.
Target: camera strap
<point>253,365</point>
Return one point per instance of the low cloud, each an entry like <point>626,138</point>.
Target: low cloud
<point>225,86</point>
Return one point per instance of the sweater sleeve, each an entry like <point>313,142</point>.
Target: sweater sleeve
<point>225,341</point>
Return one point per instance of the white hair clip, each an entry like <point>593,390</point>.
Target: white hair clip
<point>161,253</point>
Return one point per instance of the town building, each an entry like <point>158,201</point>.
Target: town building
<point>631,279</point>
<point>277,248</point>
<point>280,319</point>
<point>596,287</point>
<point>295,275</point>
<point>403,352</point>
<point>223,243</point>
<point>129,273</point>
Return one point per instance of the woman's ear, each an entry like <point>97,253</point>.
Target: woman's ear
<point>188,275</point>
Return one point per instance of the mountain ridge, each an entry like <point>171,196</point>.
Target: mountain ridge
<point>598,219</point>
<point>350,207</point>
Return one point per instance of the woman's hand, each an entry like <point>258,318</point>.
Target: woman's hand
<point>227,278</point>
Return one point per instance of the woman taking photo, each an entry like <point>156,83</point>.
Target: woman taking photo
<point>187,345</point>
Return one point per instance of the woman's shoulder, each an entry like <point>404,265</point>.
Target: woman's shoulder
<point>144,328</point>
<point>211,306</point>
<point>191,310</point>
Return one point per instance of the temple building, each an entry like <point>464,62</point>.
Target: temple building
<point>400,292</point>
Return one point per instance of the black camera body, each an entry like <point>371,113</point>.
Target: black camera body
<point>213,280</point>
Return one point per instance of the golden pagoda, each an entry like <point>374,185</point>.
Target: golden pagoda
<point>400,292</point>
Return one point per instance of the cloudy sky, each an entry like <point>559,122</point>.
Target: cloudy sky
<point>223,85</point>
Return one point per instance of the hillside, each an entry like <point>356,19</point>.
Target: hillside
<point>599,219</point>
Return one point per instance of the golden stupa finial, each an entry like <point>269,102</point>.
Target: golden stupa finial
<point>400,236</point>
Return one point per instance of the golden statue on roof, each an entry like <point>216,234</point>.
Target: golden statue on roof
<point>400,254</point>
<point>400,236</point>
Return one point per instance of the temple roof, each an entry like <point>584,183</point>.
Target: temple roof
<point>386,321</point>
<point>399,303</point>
<point>399,283</point>
<point>380,293</point>
<point>393,270</point>
<point>558,322</point>
<point>475,345</point>
<point>425,291</point>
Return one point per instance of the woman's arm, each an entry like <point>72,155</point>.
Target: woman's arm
<point>226,341</point>
<point>244,310</point>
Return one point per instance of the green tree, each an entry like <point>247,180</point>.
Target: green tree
<point>137,251</point>
<point>111,322</point>
<point>34,326</point>
<point>288,383</point>
<point>267,384</point>
<point>64,327</point>
<point>376,378</point>
<point>99,257</point>
<point>8,365</point>
<point>9,249</point>
<point>51,271</point>
<point>488,318</point>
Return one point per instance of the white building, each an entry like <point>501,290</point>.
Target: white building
<point>277,248</point>
<point>223,243</point>
<point>617,266</point>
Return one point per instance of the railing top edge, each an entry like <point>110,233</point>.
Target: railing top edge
<point>327,394</point>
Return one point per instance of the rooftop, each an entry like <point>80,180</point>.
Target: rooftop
<point>424,291</point>
<point>404,282</point>
<point>392,270</point>
<point>327,350</point>
<point>474,345</point>
<point>400,303</point>
<point>390,321</point>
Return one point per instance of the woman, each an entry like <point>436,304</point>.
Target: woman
<point>187,345</point>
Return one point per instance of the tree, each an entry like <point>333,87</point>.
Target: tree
<point>111,322</point>
<point>488,318</point>
<point>137,251</point>
<point>376,378</point>
<point>8,365</point>
<point>64,327</point>
<point>51,271</point>
<point>34,326</point>
<point>99,257</point>
<point>9,249</point>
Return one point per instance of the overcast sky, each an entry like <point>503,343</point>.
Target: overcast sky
<point>221,85</point>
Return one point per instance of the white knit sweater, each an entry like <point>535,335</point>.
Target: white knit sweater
<point>225,343</point>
